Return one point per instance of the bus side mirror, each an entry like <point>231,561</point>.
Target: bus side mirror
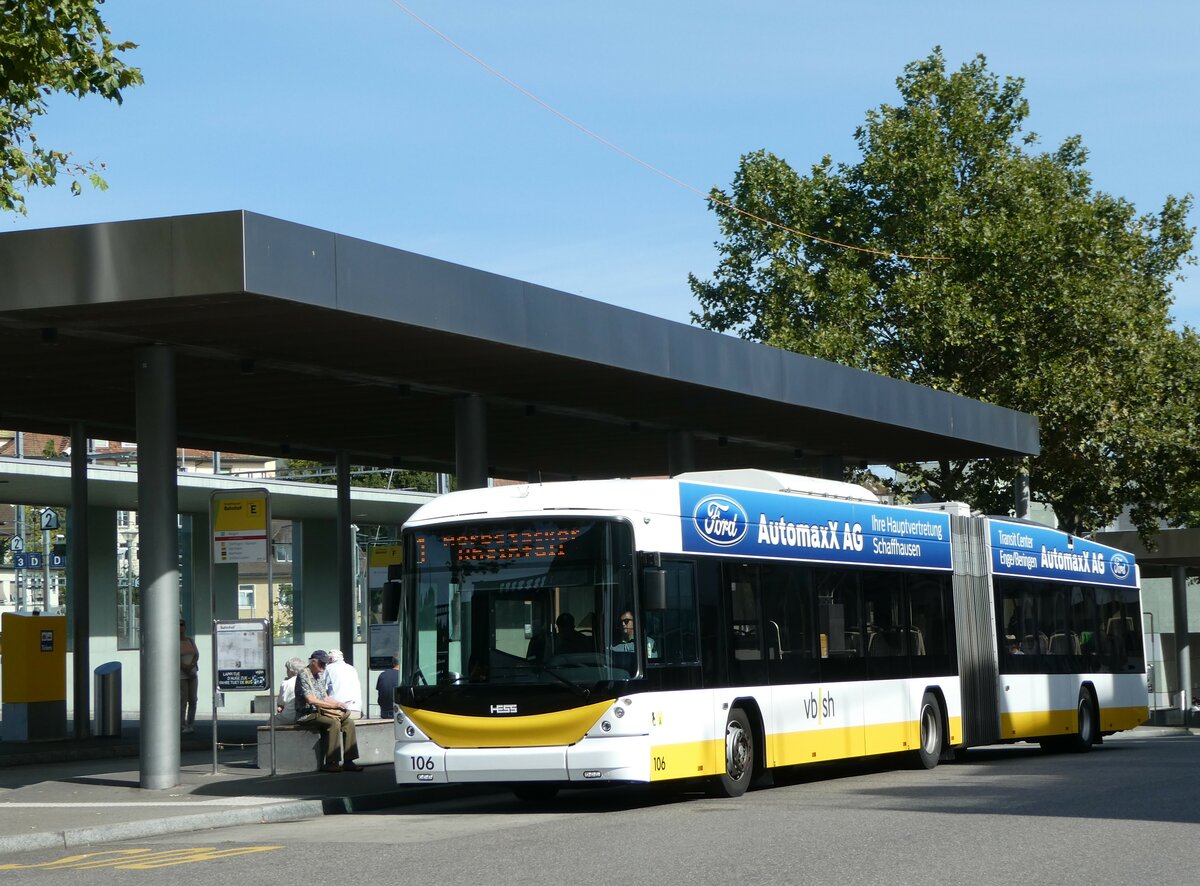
<point>654,589</point>
<point>391,601</point>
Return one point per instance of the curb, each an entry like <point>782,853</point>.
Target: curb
<point>293,810</point>
<point>290,810</point>
<point>1151,731</point>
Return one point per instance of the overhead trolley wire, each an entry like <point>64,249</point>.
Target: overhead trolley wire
<point>500,75</point>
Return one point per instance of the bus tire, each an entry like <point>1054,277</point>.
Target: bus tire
<point>930,734</point>
<point>534,791</point>
<point>1088,723</point>
<point>739,756</point>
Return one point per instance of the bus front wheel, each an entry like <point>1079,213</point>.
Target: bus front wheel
<point>929,751</point>
<point>739,755</point>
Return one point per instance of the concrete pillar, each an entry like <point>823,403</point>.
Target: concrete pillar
<point>470,442</point>
<point>314,573</point>
<point>154,379</point>
<point>78,583</point>
<point>681,452</point>
<point>1182,652</point>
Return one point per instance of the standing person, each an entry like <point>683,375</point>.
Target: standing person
<point>285,704</point>
<point>385,689</point>
<point>189,679</point>
<point>318,712</point>
<point>344,684</point>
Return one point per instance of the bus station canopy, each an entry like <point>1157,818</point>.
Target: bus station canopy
<point>299,342</point>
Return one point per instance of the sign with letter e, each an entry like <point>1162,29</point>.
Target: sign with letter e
<point>241,522</point>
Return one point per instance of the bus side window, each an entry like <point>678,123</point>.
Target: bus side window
<point>675,629</point>
<point>746,645</point>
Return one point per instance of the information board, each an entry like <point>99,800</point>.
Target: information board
<point>240,527</point>
<point>383,643</point>
<point>243,654</point>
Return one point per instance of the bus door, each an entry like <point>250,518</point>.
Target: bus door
<point>792,663</point>
<point>747,652</point>
<point>842,640</point>
<point>788,625</point>
<point>749,648</point>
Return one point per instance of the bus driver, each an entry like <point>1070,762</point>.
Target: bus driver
<point>628,640</point>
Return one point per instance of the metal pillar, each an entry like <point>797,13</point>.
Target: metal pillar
<point>345,550</point>
<point>78,585</point>
<point>1182,651</point>
<point>681,452</point>
<point>158,496</point>
<point>470,442</point>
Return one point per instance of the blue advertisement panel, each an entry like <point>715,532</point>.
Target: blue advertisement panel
<point>717,520</point>
<point>1024,551</point>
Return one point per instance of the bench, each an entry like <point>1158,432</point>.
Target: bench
<point>301,750</point>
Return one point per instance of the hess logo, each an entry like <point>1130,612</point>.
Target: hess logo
<point>720,520</point>
<point>503,709</point>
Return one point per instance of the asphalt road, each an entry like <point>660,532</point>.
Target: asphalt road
<point>1126,813</point>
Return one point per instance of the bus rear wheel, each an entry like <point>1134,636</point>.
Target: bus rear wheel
<point>1083,740</point>
<point>739,756</point>
<point>929,723</point>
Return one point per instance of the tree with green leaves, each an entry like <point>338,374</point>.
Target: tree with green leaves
<point>49,47</point>
<point>361,476</point>
<point>956,254</point>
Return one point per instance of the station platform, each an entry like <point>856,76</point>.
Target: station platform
<point>70,793</point>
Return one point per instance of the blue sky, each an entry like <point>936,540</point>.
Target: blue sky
<point>352,117</point>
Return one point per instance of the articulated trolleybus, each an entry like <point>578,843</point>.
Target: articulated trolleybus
<point>717,625</point>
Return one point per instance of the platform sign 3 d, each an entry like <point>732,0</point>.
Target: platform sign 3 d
<point>240,528</point>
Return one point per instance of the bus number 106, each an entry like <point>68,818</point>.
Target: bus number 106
<point>422,763</point>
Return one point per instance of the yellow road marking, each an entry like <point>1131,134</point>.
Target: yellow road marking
<point>138,859</point>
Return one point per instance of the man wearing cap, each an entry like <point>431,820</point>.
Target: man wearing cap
<point>318,711</point>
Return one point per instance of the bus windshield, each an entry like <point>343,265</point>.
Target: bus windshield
<point>518,602</point>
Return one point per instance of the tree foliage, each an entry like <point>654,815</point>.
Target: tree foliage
<point>995,271</point>
<point>49,47</point>
<point>362,476</point>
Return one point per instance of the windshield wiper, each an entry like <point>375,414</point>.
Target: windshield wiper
<point>581,691</point>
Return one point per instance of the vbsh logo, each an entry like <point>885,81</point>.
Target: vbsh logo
<point>720,520</point>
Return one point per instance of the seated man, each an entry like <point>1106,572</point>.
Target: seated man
<point>343,683</point>
<point>318,711</point>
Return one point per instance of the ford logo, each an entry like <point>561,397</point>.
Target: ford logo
<point>1120,565</point>
<point>720,520</point>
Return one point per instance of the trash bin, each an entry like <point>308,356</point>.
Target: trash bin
<point>108,699</point>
